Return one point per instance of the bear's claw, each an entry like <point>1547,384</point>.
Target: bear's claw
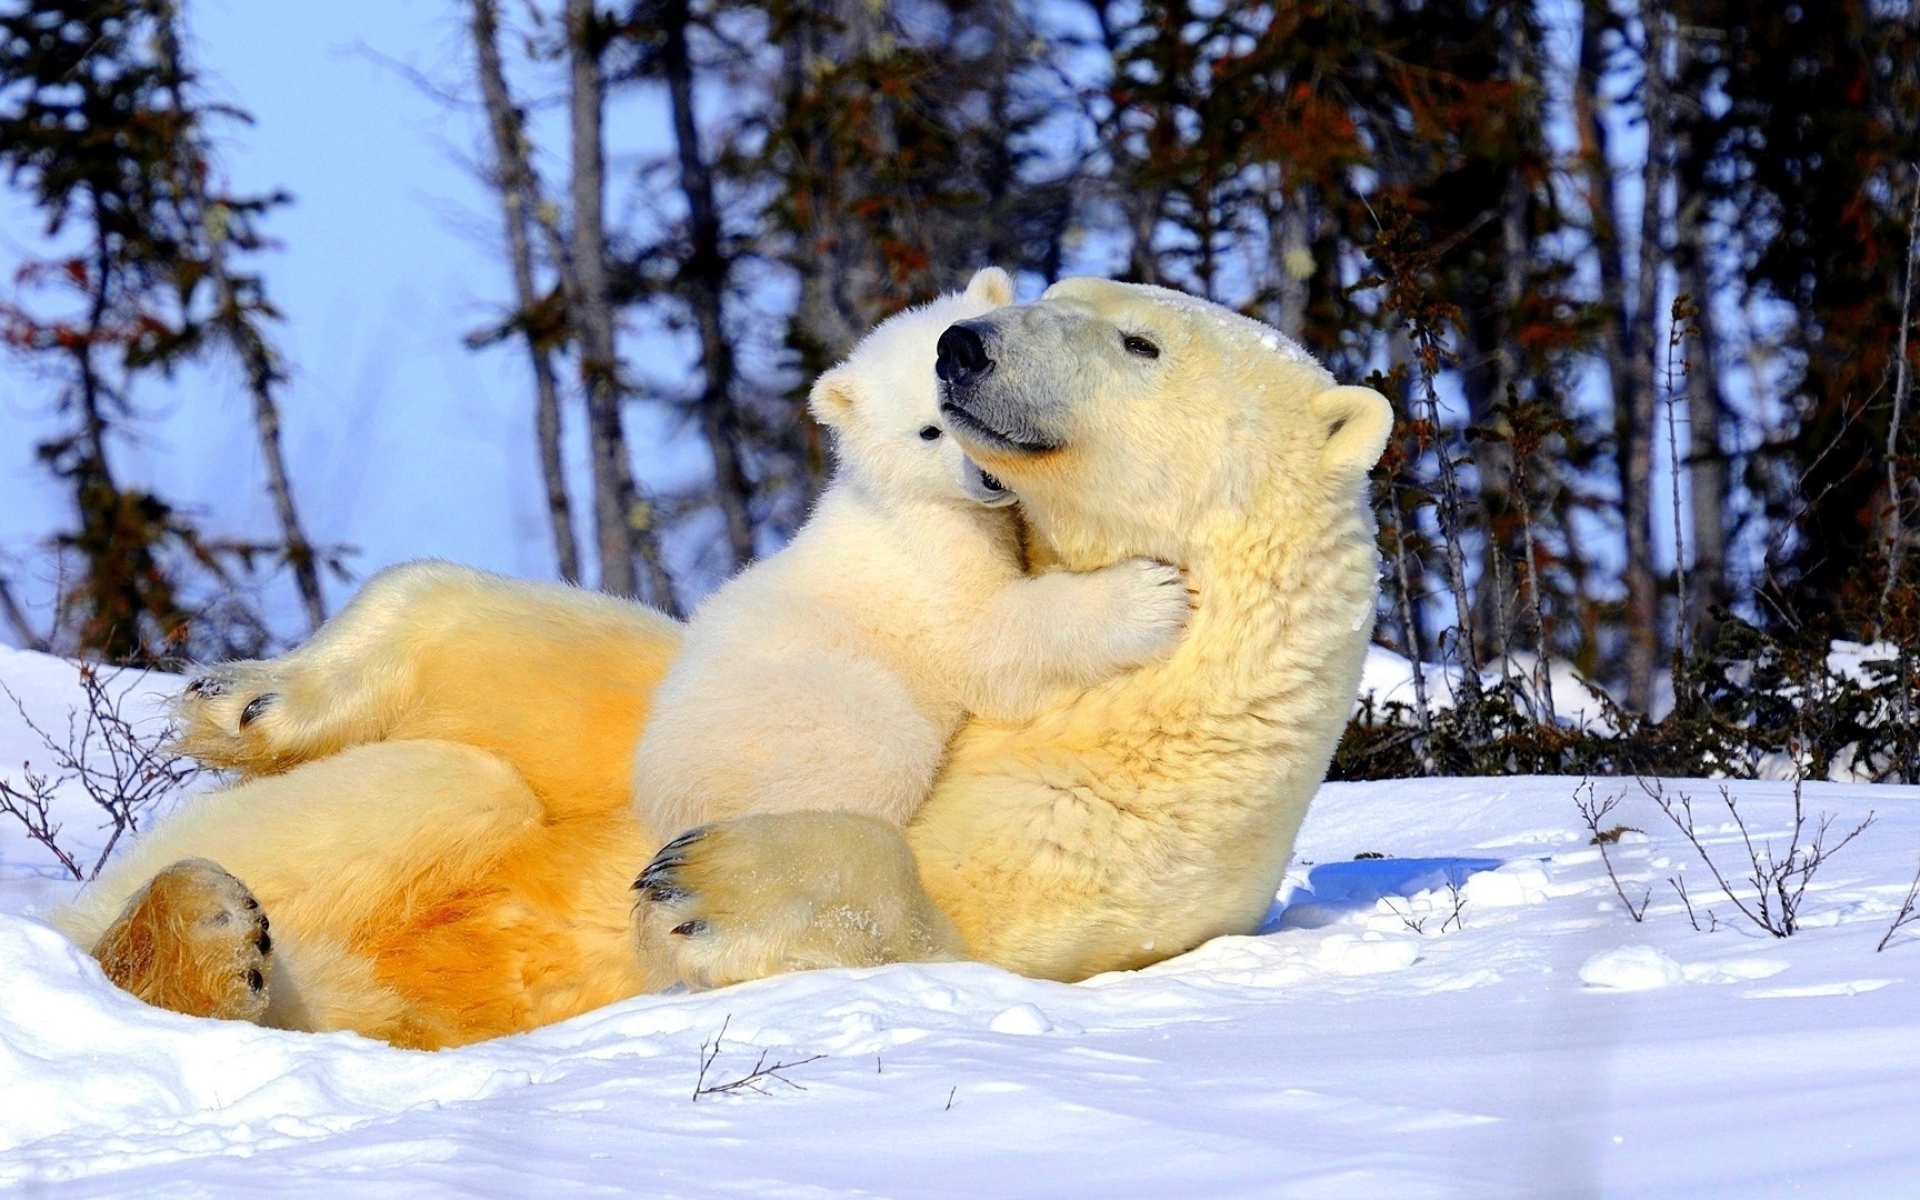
<point>654,879</point>
<point>209,686</point>
<point>255,707</point>
<point>686,839</point>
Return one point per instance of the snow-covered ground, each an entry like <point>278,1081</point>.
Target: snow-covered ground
<point>1540,1043</point>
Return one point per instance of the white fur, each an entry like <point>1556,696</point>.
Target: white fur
<point>831,675</point>
<point>1135,819</point>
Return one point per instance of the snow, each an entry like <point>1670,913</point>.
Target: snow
<point>1388,678</point>
<point>1473,1014</point>
<point>1632,969</point>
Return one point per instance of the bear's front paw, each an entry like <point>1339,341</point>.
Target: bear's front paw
<point>677,926</point>
<point>1152,604</point>
<point>778,892</point>
<point>195,941</point>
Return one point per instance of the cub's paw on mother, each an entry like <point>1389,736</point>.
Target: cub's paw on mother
<point>1152,602</point>
<point>779,892</point>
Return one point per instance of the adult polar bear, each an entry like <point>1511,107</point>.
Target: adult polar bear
<point>435,810</point>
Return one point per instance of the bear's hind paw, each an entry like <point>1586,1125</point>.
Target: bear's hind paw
<point>194,941</point>
<point>233,717</point>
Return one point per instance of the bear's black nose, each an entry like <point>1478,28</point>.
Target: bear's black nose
<point>963,356</point>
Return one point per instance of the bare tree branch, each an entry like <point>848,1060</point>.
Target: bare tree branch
<point>121,770</point>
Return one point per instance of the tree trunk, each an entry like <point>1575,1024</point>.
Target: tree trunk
<point>25,635</point>
<point>514,182</point>
<point>630,563</point>
<point>1707,473</point>
<point>257,358</point>
<point>703,283</point>
<point>1894,552</point>
<point>1518,68</point>
<point>1633,426</point>
<point>263,375</point>
<point>833,253</point>
<point>1294,266</point>
<point>1617,342</point>
<point>125,596</point>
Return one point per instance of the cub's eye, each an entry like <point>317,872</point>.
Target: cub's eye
<point>1136,344</point>
<point>930,434</point>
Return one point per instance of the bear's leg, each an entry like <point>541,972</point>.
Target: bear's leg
<point>780,892</point>
<point>341,688</point>
<point>810,728</point>
<point>195,941</point>
<point>336,845</point>
<point>554,680</point>
<point>342,852</point>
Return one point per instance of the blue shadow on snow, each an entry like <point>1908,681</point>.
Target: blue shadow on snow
<point>1335,890</point>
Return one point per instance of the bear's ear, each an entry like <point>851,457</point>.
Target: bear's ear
<point>992,285</point>
<point>1355,422</point>
<point>832,398</point>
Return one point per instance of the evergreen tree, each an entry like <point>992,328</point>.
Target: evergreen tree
<point>101,124</point>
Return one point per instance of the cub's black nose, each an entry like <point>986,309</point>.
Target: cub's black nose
<point>963,356</point>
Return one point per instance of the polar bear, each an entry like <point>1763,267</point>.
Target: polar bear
<point>1135,820</point>
<point>831,674</point>
<point>433,796</point>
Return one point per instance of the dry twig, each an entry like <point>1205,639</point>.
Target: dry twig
<point>1418,924</point>
<point>1593,812</point>
<point>1909,913</point>
<point>121,770</point>
<point>756,1080</point>
<point>1680,886</point>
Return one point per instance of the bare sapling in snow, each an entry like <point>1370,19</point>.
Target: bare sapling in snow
<point>1459,902</point>
<point>123,770</point>
<point>1908,914</point>
<point>1594,813</point>
<point>1693,917</point>
<point>757,1080</point>
<point>1414,924</point>
<point>1416,921</point>
<point>1779,882</point>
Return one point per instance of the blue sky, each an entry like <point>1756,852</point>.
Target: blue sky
<point>400,440</point>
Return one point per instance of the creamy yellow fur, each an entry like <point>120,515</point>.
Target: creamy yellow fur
<point>192,940</point>
<point>831,676</point>
<point>1146,815</point>
<point>433,805</point>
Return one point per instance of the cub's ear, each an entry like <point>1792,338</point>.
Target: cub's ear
<point>832,399</point>
<point>992,285</point>
<point>1355,422</point>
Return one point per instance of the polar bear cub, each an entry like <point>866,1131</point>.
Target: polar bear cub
<point>832,674</point>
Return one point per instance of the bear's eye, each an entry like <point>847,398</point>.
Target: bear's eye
<point>1136,344</point>
<point>930,434</point>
